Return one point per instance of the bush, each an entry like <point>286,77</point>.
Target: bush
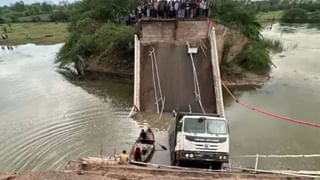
<point>314,17</point>
<point>256,58</point>
<point>274,46</point>
<point>295,15</point>
<point>108,42</point>
<point>35,19</point>
<point>1,20</point>
<point>59,16</point>
<point>233,14</point>
<point>96,33</point>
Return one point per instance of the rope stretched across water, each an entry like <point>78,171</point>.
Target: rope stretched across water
<point>271,114</point>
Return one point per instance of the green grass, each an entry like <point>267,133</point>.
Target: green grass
<point>36,33</point>
<point>43,18</point>
<point>267,17</point>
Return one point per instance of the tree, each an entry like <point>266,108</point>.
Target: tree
<point>96,31</point>
<point>1,20</point>
<point>296,15</point>
<point>238,16</point>
<point>35,19</point>
<point>46,8</point>
<point>4,29</point>
<point>19,6</point>
<point>59,16</point>
<point>314,17</point>
<point>104,11</point>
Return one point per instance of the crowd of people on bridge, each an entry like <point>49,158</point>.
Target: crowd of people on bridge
<point>164,9</point>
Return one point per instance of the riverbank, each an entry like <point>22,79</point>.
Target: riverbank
<point>105,170</point>
<point>35,33</point>
<point>269,17</point>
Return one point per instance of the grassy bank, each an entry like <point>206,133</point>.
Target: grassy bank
<point>269,17</point>
<point>37,33</point>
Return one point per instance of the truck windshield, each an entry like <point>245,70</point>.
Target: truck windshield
<point>216,127</point>
<point>201,126</point>
<point>192,125</point>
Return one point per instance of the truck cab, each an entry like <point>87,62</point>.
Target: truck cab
<point>199,139</point>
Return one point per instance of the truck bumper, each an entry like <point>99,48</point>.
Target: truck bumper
<point>202,157</point>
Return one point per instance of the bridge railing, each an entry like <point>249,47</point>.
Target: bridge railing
<point>257,157</point>
<point>216,73</point>
<point>137,74</point>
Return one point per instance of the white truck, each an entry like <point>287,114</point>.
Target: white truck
<point>199,139</point>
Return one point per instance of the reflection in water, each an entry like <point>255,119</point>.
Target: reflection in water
<point>292,91</point>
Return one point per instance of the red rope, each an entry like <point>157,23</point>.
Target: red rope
<point>278,116</point>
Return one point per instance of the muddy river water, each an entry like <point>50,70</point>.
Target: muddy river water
<point>45,120</point>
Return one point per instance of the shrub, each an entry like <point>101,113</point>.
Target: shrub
<point>256,58</point>
<point>273,45</point>
<point>314,17</point>
<point>295,15</point>
<point>35,19</point>
<point>233,14</point>
<point>109,42</point>
<point>96,32</point>
<point>59,16</point>
<point>1,20</point>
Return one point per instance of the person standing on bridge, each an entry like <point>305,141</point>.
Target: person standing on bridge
<point>209,7</point>
<point>193,9</point>
<point>202,8</point>
<point>171,9</point>
<point>188,9</point>
<point>148,9</point>
<point>183,8</point>
<point>176,9</point>
<point>156,7</point>
<point>139,12</point>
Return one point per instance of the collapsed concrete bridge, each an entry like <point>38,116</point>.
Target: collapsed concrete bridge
<point>176,67</point>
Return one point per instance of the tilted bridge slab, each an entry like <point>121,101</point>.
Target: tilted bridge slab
<point>167,77</point>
